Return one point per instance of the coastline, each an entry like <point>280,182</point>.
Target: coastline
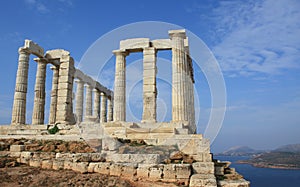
<point>268,165</point>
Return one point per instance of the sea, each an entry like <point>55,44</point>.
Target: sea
<point>264,177</point>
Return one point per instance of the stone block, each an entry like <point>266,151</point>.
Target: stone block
<point>129,170</point>
<point>34,48</point>
<point>234,183</point>
<point>35,163</point>
<point>203,167</point>
<point>156,172</point>
<point>91,167</point>
<point>102,168</point>
<point>183,171</point>
<point>203,180</point>
<point>169,171</point>
<point>81,167</point>
<point>15,154</point>
<point>58,165</point>
<point>17,148</point>
<point>116,169</point>
<point>143,170</point>
<point>25,157</point>
<point>110,144</point>
<point>68,164</point>
<point>135,43</point>
<point>47,164</point>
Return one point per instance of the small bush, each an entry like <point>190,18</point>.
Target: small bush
<point>53,130</point>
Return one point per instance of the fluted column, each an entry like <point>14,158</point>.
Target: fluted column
<point>96,109</point>
<point>103,107</point>
<point>53,104</point>
<point>19,105</point>
<point>179,110</point>
<point>79,100</point>
<point>39,92</point>
<point>110,109</point>
<point>120,86</point>
<point>149,85</point>
<point>88,100</point>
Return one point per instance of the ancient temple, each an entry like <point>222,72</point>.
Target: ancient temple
<point>177,153</point>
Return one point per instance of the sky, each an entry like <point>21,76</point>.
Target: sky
<point>256,45</point>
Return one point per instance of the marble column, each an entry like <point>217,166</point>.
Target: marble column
<point>88,100</point>
<point>109,108</point>
<point>120,86</point>
<point>64,113</point>
<point>96,109</point>
<point>39,92</point>
<point>53,103</point>
<point>19,105</point>
<point>103,108</point>
<point>179,110</point>
<point>79,100</point>
<point>149,85</point>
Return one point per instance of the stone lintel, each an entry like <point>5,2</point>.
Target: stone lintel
<point>89,80</point>
<point>134,44</point>
<point>33,48</point>
<point>162,44</point>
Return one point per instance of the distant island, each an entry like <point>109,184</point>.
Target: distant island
<point>284,157</point>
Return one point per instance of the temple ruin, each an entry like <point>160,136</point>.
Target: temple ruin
<point>97,115</point>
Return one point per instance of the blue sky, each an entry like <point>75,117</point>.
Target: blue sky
<point>256,44</point>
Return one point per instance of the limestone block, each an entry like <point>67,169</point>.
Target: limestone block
<point>15,154</point>
<point>169,171</point>
<point>64,156</point>
<point>198,157</point>
<point>234,183</point>
<point>110,144</point>
<point>129,170</point>
<point>16,148</point>
<point>156,172</point>
<point>58,165</point>
<point>81,167</point>
<point>68,164</point>
<point>183,171</point>
<point>35,163</point>
<point>116,169</point>
<point>25,157</point>
<point>161,44</point>
<point>91,167</point>
<point>203,180</point>
<point>102,168</point>
<point>34,48</point>
<point>135,43</point>
<point>143,170</point>
<point>203,167</point>
<point>47,164</point>
<point>194,146</point>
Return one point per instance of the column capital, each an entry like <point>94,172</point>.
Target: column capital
<point>23,50</point>
<point>177,33</point>
<point>41,60</point>
<point>102,94</point>
<point>149,50</point>
<point>88,86</point>
<point>120,52</point>
<point>54,68</point>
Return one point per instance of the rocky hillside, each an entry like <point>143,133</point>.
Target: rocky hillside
<point>240,151</point>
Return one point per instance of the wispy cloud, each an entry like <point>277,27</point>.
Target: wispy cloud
<point>38,5</point>
<point>46,7</point>
<point>257,36</point>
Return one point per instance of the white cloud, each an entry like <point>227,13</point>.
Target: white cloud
<point>38,5</point>
<point>257,37</point>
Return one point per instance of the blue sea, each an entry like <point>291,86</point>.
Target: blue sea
<point>264,177</point>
